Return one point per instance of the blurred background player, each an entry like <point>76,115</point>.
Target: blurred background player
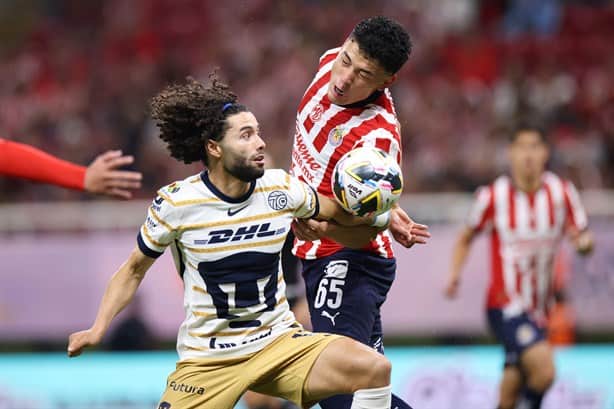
<point>527,213</point>
<point>239,332</point>
<point>100,177</point>
<point>348,105</point>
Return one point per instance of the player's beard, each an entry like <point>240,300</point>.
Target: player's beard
<point>243,171</point>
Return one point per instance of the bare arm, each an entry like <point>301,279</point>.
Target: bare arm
<point>119,293</point>
<point>582,240</point>
<point>459,255</point>
<point>337,224</point>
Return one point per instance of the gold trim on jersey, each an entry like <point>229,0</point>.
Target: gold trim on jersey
<point>269,188</point>
<point>281,301</point>
<point>159,220</point>
<point>287,180</point>
<point>188,201</point>
<point>244,333</point>
<point>199,289</point>
<point>151,239</point>
<point>205,314</point>
<point>235,221</point>
<point>195,179</point>
<point>237,246</point>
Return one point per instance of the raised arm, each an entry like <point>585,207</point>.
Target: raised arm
<point>118,294</point>
<point>459,255</point>
<point>101,176</point>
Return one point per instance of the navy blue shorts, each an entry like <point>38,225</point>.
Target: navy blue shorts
<point>345,292</point>
<point>516,334</point>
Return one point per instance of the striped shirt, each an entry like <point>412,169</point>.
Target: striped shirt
<point>227,252</point>
<point>325,131</point>
<point>525,231</point>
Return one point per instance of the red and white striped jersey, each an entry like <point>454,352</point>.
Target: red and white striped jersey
<point>325,131</point>
<point>525,231</point>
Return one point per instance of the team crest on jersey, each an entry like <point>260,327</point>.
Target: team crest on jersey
<point>277,200</point>
<point>173,187</point>
<point>525,334</point>
<point>316,113</point>
<point>335,136</point>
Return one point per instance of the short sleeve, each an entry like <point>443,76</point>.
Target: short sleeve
<point>575,214</point>
<point>157,232</point>
<point>303,199</point>
<point>482,210</point>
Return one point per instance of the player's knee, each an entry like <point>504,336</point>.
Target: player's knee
<point>543,377</point>
<point>376,372</point>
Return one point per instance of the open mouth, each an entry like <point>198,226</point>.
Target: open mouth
<point>338,91</point>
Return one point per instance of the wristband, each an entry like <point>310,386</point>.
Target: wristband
<point>381,220</point>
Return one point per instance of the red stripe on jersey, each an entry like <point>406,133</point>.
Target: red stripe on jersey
<point>383,144</point>
<point>301,251</point>
<point>313,89</point>
<point>532,215</point>
<point>568,207</point>
<point>326,59</point>
<point>387,246</point>
<point>349,142</point>
<point>518,275</point>
<point>489,213</point>
<point>550,204</point>
<point>497,297</point>
<point>339,118</point>
<point>512,207</point>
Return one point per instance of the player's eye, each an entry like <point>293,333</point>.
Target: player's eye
<point>345,62</point>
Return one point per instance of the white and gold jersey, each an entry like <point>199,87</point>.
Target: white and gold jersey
<point>227,252</point>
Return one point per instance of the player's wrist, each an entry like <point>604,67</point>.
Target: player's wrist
<point>381,220</point>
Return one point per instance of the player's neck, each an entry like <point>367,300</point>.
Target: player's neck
<point>527,184</point>
<point>228,184</point>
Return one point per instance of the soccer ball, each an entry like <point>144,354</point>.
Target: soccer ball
<point>367,181</point>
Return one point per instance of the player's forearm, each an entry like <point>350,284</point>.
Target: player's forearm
<point>459,255</point>
<point>24,161</point>
<point>353,237</point>
<point>120,291</point>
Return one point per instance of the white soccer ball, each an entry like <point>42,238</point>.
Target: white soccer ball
<point>367,181</point>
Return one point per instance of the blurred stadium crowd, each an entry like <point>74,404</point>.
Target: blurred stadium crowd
<point>77,77</point>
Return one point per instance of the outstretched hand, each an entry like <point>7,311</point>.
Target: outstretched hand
<point>79,340</point>
<point>102,176</point>
<point>405,231</point>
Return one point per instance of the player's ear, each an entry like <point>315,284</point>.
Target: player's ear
<point>213,149</point>
<point>389,81</point>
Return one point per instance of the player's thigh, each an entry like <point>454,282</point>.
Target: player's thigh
<point>343,367</point>
<point>343,297</point>
<point>254,400</point>
<point>510,386</point>
<point>283,367</point>
<point>196,386</point>
<point>538,363</point>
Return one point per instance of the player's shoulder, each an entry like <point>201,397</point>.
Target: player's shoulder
<point>181,192</point>
<point>278,178</point>
<point>551,177</point>
<point>332,53</point>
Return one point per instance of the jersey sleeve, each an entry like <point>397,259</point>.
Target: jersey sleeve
<point>575,215</point>
<point>302,199</point>
<point>24,161</point>
<point>481,213</point>
<point>158,230</point>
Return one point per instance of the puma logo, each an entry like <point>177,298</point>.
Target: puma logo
<point>330,317</point>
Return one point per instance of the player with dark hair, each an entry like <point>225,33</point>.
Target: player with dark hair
<point>226,227</point>
<point>101,176</point>
<point>526,213</point>
<point>346,106</point>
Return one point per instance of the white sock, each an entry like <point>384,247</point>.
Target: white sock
<point>374,398</point>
